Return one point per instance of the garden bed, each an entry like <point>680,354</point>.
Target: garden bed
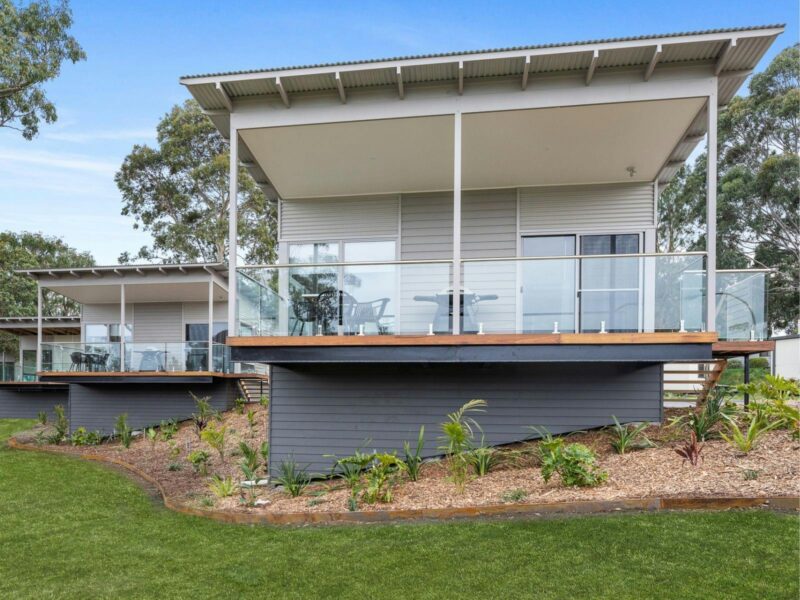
<point>770,470</point>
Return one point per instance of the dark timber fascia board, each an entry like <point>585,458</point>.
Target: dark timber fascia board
<point>652,353</point>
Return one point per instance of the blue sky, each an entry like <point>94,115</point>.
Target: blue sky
<point>62,183</point>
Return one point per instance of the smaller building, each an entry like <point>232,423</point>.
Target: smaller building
<point>786,356</point>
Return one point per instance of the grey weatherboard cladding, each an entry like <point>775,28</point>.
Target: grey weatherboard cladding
<point>334,409</point>
<point>20,403</point>
<point>96,407</point>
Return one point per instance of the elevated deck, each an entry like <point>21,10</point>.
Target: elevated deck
<point>118,377</point>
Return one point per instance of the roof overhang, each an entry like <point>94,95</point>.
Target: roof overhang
<point>143,283</point>
<point>50,325</point>
<point>727,56</point>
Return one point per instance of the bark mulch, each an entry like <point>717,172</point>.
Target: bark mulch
<point>772,468</point>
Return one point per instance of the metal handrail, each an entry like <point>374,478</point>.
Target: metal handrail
<point>464,260</point>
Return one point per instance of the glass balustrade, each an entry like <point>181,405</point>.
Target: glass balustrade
<point>742,305</point>
<point>76,356</point>
<point>380,298</point>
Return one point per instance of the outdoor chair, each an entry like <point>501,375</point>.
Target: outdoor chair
<point>364,313</point>
<point>304,312</point>
<point>77,360</point>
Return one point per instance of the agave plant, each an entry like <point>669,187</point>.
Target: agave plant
<point>292,477</point>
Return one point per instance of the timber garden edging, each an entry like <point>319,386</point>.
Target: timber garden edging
<point>654,504</point>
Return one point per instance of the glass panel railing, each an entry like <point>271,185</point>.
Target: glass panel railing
<point>75,356</point>
<point>742,305</point>
<point>345,299</point>
<point>175,357</point>
<point>611,293</point>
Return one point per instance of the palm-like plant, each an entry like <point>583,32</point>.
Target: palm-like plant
<point>757,424</point>
<point>627,436</point>
<point>458,431</point>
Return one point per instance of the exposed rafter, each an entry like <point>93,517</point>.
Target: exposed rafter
<point>282,92</point>
<point>460,78</point>
<point>674,164</point>
<point>226,100</point>
<point>694,139</point>
<point>340,87</point>
<point>723,56</point>
<point>592,66</point>
<point>525,72</point>
<point>740,74</point>
<point>400,91</point>
<point>653,62</point>
<point>246,164</point>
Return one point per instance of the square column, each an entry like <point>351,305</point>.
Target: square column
<point>711,213</point>
<point>232,230</point>
<point>457,223</point>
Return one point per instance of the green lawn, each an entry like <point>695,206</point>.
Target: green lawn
<point>70,529</point>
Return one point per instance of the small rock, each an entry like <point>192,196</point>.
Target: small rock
<point>261,502</point>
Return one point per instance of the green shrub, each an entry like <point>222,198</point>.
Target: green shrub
<point>152,435</point>
<point>483,458</point>
<point>457,435</point>
<point>60,426</point>
<point>575,463</point>
<point>350,468</point>
<point>203,413</point>
<point>413,458</point>
<point>251,491</point>
<point>41,416</point>
<point>174,466</point>
<point>199,460</point>
<point>168,429</point>
<point>263,450</point>
<point>293,478</point>
<point>123,431</point>
<point>381,477</point>
<point>777,393</point>
<point>215,437</point>
<point>81,437</point>
<point>703,419</point>
<point>239,405</point>
<point>517,495</point>
<point>750,474</point>
<point>755,424</point>
<point>174,449</point>
<point>222,487</point>
<point>759,362</point>
<point>264,401</point>
<point>629,436</point>
<point>249,457</point>
<point>252,421</point>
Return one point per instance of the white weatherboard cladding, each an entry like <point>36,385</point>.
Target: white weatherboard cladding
<point>197,312</point>
<point>565,209</point>
<point>105,313</point>
<point>318,219</point>
<point>158,322</point>
<point>489,224</point>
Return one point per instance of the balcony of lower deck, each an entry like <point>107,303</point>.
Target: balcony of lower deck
<point>119,362</point>
<point>648,307</point>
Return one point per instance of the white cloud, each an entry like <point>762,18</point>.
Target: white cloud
<point>60,160</point>
<point>101,135</point>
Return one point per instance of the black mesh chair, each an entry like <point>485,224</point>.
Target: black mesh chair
<point>76,361</point>
<point>305,312</point>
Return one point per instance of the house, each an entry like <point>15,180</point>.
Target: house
<point>786,356</point>
<point>464,225</point>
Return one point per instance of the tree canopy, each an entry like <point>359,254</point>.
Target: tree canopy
<point>758,212</point>
<point>178,192</point>
<point>34,43</point>
<point>28,250</point>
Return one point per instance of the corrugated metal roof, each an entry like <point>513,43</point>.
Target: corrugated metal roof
<point>490,50</point>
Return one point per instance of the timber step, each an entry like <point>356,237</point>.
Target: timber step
<point>252,388</point>
<point>676,382</point>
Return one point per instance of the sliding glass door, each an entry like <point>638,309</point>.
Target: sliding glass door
<point>548,286</point>
<point>610,287</point>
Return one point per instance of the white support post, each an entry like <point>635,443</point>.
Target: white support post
<point>711,214</point>
<point>122,328</point>
<point>232,230</point>
<point>210,356</point>
<point>457,223</point>
<point>38,327</point>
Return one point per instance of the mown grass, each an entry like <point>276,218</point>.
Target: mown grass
<point>71,529</point>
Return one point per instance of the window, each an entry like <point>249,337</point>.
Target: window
<point>198,332</point>
<point>104,333</point>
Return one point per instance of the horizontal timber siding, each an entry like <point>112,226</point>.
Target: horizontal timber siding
<point>333,409</point>
<point>319,219</point>
<point>566,209</point>
<point>27,404</point>
<point>96,407</point>
<point>158,322</point>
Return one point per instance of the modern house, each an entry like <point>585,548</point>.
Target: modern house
<point>453,226</point>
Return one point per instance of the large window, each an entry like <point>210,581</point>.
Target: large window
<point>104,333</point>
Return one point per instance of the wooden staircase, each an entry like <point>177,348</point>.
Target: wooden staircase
<point>252,388</point>
<point>691,382</point>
